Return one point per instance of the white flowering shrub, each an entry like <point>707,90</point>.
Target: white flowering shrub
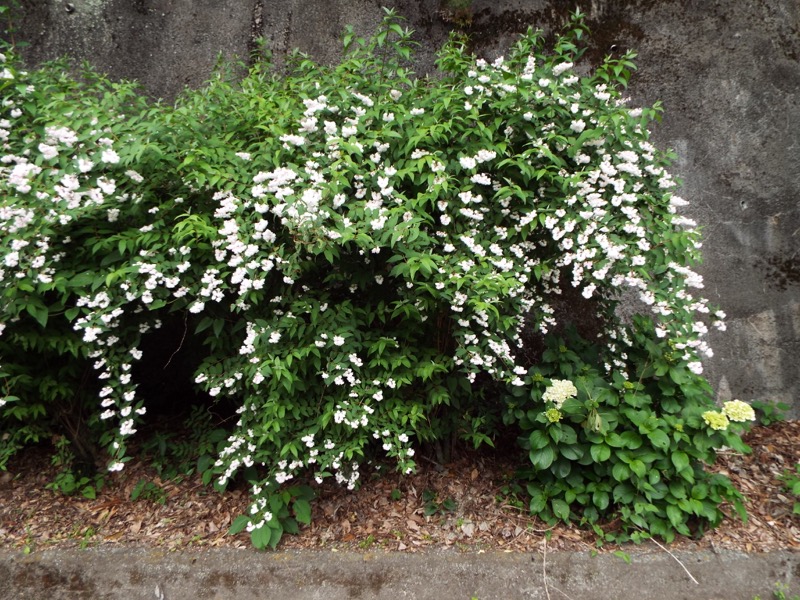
<point>371,264</point>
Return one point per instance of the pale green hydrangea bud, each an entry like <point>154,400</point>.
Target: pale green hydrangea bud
<point>739,411</point>
<point>553,415</point>
<point>716,420</point>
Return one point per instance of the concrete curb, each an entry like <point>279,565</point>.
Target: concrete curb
<point>153,574</point>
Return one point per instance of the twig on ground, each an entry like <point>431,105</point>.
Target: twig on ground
<point>676,560</point>
<point>544,569</point>
<point>563,593</point>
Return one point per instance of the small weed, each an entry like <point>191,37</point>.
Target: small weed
<point>623,555</point>
<point>768,412</point>
<point>367,542</point>
<point>29,544</point>
<point>791,481</point>
<point>396,495</point>
<point>176,455</point>
<point>511,495</point>
<point>147,490</point>
<point>433,507</point>
<point>69,480</point>
<point>781,592</point>
<point>84,537</point>
<point>68,483</point>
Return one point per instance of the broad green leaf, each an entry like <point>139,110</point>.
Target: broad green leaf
<point>302,511</point>
<point>560,509</point>
<point>238,525</point>
<point>680,460</point>
<point>600,452</point>
<point>543,457</point>
<point>659,439</point>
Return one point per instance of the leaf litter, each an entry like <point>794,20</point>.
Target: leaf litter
<point>463,505</point>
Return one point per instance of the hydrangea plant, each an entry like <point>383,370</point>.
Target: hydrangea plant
<point>373,264</point>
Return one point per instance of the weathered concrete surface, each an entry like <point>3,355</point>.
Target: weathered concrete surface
<point>728,73</point>
<point>245,574</point>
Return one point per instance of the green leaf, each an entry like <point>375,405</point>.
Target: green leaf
<point>638,468</point>
<point>624,493</point>
<point>600,499</point>
<point>740,510</point>
<point>680,460</point>
<point>238,525</point>
<point>560,509</point>
<point>543,457</point>
<point>38,312</point>
<point>261,537</point>
<point>675,516</point>
<point>276,532</point>
<point>571,452</point>
<point>538,503</point>
<point>631,439</point>
<point>659,439</point>
<point>620,472</point>
<point>600,452</point>
<point>302,511</point>
<point>623,555</point>
<point>538,439</point>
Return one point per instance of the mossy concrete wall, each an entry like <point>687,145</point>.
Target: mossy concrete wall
<point>727,72</point>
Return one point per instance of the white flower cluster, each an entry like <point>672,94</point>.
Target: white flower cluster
<point>559,391</point>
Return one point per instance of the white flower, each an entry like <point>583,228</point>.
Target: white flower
<point>560,68</point>
<point>338,340</point>
<point>467,162</point>
<point>295,140</point>
<point>695,367</point>
<point>109,156</point>
<point>134,176</point>
<point>48,152</point>
<point>578,126</point>
<point>108,186</point>
<point>485,155</point>
<point>559,391</point>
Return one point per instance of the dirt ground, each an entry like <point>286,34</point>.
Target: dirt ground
<point>464,505</point>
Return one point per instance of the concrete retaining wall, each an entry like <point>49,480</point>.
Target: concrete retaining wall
<point>727,71</point>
